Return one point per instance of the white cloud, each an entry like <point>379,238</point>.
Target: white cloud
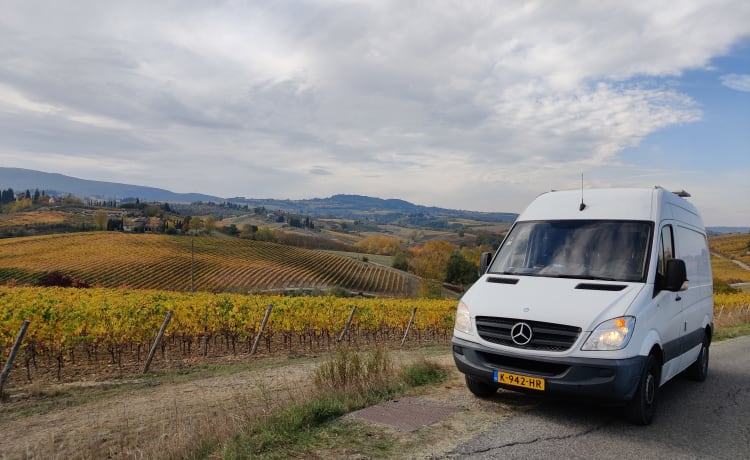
<point>736,82</point>
<point>398,99</point>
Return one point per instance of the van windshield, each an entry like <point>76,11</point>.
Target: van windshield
<point>586,249</point>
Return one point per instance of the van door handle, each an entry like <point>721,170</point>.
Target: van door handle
<point>677,298</point>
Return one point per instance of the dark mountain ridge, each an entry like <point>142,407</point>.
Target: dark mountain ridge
<point>20,179</point>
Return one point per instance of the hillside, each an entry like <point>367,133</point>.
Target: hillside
<point>147,261</point>
<point>376,209</point>
<point>730,259</point>
<point>379,210</point>
<point>20,179</point>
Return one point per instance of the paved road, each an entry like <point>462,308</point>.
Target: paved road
<point>693,420</point>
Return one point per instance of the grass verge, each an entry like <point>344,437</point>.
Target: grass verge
<point>732,323</point>
<point>348,382</point>
<point>730,332</point>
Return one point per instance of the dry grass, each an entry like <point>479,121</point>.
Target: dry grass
<point>729,317</point>
<point>224,413</point>
<point>349,381</point>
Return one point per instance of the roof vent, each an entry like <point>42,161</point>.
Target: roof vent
<point>682,194</point>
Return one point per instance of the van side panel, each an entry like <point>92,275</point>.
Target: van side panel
<point>697,300</point>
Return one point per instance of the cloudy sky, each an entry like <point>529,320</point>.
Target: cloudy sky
<point>469,105</point>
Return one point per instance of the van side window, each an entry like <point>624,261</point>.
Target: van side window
<point>666,252</point>
<point>693,249</point>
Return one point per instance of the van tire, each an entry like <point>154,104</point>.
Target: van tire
<point>640,410</point>
<point>480,388</point>
<point>698,371</point>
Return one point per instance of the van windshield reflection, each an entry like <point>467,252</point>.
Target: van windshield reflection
<point>581,249</point>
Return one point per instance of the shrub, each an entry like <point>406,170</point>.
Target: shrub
<point>61,280</point>
<point>352,371</point>
<point>723,287</point>
<point>424,373</point>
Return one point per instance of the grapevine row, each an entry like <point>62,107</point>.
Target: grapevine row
<point>110,259</point>
<point>120,323</point>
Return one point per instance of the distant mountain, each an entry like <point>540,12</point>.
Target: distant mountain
<point>341,206</point>
<point>22,179</point>
<point>377,209</point>
<point>720,230</point>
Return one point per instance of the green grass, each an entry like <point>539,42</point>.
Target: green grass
<point>424,373</point>
<point>730,332</point>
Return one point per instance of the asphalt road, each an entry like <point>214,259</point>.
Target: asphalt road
<point>693,420</point>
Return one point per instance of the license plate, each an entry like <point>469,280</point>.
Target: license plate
<point>524,381</point>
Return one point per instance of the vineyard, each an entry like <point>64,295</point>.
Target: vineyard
<point>137,279</point>
<point>732,245</point>
<point>727,270</point>
<point>115,327</point>
<point>142,261</point>
<point>733,249</point>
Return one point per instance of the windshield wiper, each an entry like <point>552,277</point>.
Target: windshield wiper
<point>585,277</point>
<point>521,272</point>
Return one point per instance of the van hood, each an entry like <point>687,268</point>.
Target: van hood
<point>573,302</point>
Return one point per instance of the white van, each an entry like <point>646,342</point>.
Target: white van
<point>601,293</point>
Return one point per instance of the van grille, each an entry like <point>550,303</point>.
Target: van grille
<point>545,336</point>
<point>524,366</point>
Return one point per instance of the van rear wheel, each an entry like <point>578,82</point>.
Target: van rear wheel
<point>698,371</point>
<point>480,388</point>
<point>642,407</point>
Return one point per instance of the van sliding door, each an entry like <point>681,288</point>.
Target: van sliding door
<point>668,314</point>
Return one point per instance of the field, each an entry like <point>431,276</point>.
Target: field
<point>731,257</point>
<point>78,331</point>
<point>727,270</point>
<point>146,261</point>
<point>37,218</point>
<point>732,245</point>
<point>137,278</point>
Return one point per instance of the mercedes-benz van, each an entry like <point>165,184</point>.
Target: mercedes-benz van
<point>602,293</point>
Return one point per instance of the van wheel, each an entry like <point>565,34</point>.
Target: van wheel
<point>641,409</point>
<point>480,388</point>
<point>698,371</point>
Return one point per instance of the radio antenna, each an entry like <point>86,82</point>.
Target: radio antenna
<point>583,205</point>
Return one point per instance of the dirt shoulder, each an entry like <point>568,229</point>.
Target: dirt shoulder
<point>141,417</point>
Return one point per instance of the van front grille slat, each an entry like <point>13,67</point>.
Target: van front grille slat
<point>545,336</point>
<point>522,365</point>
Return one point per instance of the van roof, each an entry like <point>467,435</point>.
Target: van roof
<point>647,204</point>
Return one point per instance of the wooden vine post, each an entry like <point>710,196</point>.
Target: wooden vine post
<point>408,326</point>
<point>348,323</point>
<point>12,356</point>
<point>262,326</point>
<point>158,340</point>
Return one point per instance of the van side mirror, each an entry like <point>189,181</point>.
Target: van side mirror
<point>484,262</point>
<point>675,278</point>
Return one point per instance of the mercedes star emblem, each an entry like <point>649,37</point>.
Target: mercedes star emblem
<point>520,333</point>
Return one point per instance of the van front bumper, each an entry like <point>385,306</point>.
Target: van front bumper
<point>608,379</point>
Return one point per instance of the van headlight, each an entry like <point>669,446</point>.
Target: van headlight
<point>613,334</point>
<point>463,320</point>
